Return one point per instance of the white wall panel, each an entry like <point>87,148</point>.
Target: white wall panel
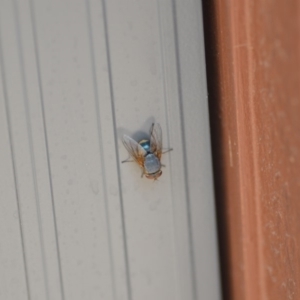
<point>13,273</point>
<point>75,76</point>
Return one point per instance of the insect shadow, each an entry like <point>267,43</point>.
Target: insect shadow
<point>138,135</point>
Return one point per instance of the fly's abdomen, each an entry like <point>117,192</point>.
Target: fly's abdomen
<point>151,164</point>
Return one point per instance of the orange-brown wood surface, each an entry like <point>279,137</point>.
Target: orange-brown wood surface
<point>253,62</point>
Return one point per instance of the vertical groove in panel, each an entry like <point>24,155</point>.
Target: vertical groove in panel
<point>7,111</point>
<point>164,77</point>
<point>99,130</point>
<point>166,105</point>
<point>31,150</point>
<point>36,49</point>
<point>128,281</point>
<point>186,179</point>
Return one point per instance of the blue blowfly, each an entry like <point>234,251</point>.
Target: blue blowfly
<point>147,153</point>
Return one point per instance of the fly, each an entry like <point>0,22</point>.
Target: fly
<point>147,153</point>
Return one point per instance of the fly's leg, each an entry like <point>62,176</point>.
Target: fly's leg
<point>163,165</point>
<point>168,150</point>
<point>128,160</point>
<point>143,172</point>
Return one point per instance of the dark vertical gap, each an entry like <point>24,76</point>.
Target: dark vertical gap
<point>215,115</point>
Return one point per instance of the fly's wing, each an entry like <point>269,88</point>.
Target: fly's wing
<point>156,139</point>
<point>137,152</point>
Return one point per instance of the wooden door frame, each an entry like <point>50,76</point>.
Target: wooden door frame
<point>253,63</point>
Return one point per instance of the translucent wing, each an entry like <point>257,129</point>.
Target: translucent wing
<point>134,149</point>
<point>156,139</point>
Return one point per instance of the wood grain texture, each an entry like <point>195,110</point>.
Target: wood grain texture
<point>253,58</point>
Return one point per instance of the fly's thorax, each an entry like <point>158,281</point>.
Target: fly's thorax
<point>146,145</point>
<point>151,164</point>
